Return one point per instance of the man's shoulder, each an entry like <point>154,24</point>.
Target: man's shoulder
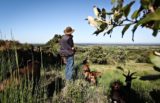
<point>66,37</point>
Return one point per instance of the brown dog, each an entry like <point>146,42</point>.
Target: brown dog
<point>90,76</point>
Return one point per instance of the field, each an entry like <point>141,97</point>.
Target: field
<point>112,61</point>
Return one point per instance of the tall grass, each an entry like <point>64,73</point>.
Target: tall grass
<point>14,93</point>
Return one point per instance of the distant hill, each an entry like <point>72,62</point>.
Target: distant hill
<point>118,44</point>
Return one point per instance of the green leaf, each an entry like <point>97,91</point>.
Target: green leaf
<point>113,1</point>
<point>97,32</point>
<point>155,32</point>
<point>126,9</point>
<point>156,3</point>
<point>110,31</point>
<point>125,29</point>
<point>150,17</point>
<point>135,14</point>
<point>133,31</point>
<point>117,17</point>
<point>156,25</point>
<point>109,13</point>
<point>145,3</point>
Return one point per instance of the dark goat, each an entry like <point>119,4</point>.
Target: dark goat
<point>122,93</point>
<point>116,93</point>
<point>129,77</point>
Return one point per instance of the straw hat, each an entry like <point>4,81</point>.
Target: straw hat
<point>68,30</point>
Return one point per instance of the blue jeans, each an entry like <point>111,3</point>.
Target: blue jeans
<point>69,67</point>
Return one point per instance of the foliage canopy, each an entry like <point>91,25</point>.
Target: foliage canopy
<point>147,15</point>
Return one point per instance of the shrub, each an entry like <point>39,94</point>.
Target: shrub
<point>53,44</point>
<point>81,92</point>
<point>98,55</point>
<point>120,56</point>
<point>77,91</point>
<point>142,59</point>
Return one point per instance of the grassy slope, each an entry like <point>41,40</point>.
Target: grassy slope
<point>144,87</point>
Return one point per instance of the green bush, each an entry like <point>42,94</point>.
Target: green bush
<point>81,91</point>
<point>53,44</point>
<point>97,55</point>
<point>101,55</point>
<point>120,56</point>
<point>142,59</point>
<point>77,91</point>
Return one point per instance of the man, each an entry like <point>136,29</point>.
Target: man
<point>67,51</point>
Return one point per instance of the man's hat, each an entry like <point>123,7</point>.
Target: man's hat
<point>68,30</point>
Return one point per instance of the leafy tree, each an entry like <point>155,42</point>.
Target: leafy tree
<point>147,15</point>
<point>53,44</point>
<point>54,40</point>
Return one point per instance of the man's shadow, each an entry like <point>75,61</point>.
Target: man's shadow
<point>155,94</point>
<point>152,76</point>
<point>156,68</point>
<point>77,73</point>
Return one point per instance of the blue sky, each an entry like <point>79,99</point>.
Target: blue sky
<point>36,21</point>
